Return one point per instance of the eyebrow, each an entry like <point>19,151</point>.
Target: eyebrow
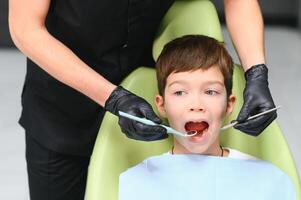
<point>205,83</point>
<point>214,82</point>
<point>175,82</point>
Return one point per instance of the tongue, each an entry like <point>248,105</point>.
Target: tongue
<point>196,126</point>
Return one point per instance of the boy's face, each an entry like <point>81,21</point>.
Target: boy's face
<point>196,100</point>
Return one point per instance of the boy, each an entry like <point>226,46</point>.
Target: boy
<point>194,76</point>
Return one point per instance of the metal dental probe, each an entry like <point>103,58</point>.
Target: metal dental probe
<point>252,117</point>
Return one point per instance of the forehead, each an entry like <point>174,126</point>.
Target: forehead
<point>199,76</point>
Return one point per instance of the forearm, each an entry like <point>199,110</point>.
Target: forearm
<point>245,25</point>
<point>61,63</point>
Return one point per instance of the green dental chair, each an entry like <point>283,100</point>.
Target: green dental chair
<point>114,153</point>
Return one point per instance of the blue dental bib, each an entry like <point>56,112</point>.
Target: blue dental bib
<point>197,177</point>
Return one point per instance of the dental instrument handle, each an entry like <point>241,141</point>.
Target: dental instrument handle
<point>173,131</point>
<point>139,119</point>
<point>149,122</point>
<point>252,117</point>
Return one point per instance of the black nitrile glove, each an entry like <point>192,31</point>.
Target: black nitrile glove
<point>257,99</point>
<point>123,100</point>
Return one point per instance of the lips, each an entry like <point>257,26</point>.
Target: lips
<point>196,126</point>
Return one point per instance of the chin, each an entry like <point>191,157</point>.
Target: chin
<point>197,149</point>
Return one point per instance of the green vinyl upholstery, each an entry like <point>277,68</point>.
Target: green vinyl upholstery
<point>114,153</point>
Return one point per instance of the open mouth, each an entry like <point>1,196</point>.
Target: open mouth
<point>199,127</point>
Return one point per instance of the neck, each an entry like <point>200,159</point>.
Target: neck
<point>214,150</point>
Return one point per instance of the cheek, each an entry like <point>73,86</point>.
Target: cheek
<point>171,115</point>
<point>173,111</point>
<point>219,112</point>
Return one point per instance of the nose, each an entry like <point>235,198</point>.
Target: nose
<point>197,104</point>
<point>197,109</point>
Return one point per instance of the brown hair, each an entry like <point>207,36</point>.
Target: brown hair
<point>193,52</point>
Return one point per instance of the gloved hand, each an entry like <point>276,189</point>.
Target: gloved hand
<point>123,100</point>
<point>257,99</point>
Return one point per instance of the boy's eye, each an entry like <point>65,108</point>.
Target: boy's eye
<point>179,93</point>
<point>211,92</point>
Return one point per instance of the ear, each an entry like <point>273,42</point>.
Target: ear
<point>230,104</point>
<point>160,105</point>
